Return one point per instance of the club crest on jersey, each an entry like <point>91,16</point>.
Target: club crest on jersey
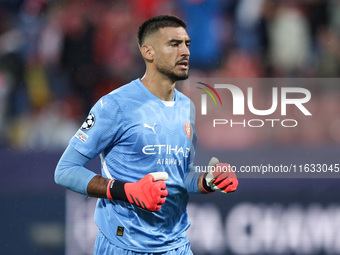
<point>187,129</point>
<point>89,122</point>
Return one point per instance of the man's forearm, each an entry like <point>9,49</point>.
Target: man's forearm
<point>97,187</point>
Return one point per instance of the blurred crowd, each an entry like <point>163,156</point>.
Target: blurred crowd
<point>59,57</point>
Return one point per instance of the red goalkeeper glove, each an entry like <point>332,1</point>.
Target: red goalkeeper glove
<point>148,193</point>
<point>220,177</point>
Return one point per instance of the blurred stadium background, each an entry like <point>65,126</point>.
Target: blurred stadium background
<point>58,57</point>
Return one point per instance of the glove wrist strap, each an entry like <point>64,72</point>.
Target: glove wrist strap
<point>205,184</point>
<point>115,190</point>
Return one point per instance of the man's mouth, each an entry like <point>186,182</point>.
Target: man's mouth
<point>184,64</point>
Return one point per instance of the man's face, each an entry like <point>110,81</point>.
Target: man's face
<point>172,52</point>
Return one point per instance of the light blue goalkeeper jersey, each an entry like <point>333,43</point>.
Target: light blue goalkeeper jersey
<point>135,134</point>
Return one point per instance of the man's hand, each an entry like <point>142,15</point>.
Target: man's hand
<point>220,177</point>
<point>148,193</point>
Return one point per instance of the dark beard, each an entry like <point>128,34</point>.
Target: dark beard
<point>172,75</point>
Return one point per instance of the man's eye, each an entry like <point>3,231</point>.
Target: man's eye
<point>174,45</point>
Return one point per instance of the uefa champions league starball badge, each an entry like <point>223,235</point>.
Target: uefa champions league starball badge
<point>89,122</point>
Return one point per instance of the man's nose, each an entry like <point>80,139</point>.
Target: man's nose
<point>185,51</point>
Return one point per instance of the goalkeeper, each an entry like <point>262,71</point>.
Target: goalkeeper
<point>144,133</point>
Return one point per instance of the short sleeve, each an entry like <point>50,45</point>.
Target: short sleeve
<point>191,177</point>
<point>101,128</point>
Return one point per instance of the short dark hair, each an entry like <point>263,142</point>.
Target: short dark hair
<point>154,24</point>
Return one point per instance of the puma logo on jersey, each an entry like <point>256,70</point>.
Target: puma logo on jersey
<point>152,128</point>
<point>102,104</point>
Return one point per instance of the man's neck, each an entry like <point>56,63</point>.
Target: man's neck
<point>160,86</point>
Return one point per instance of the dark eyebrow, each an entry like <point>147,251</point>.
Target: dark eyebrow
<point>179,41</point>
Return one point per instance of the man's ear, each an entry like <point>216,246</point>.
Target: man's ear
<point>148,53</point>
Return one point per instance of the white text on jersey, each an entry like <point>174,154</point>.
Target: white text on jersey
<point>165,149</point>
